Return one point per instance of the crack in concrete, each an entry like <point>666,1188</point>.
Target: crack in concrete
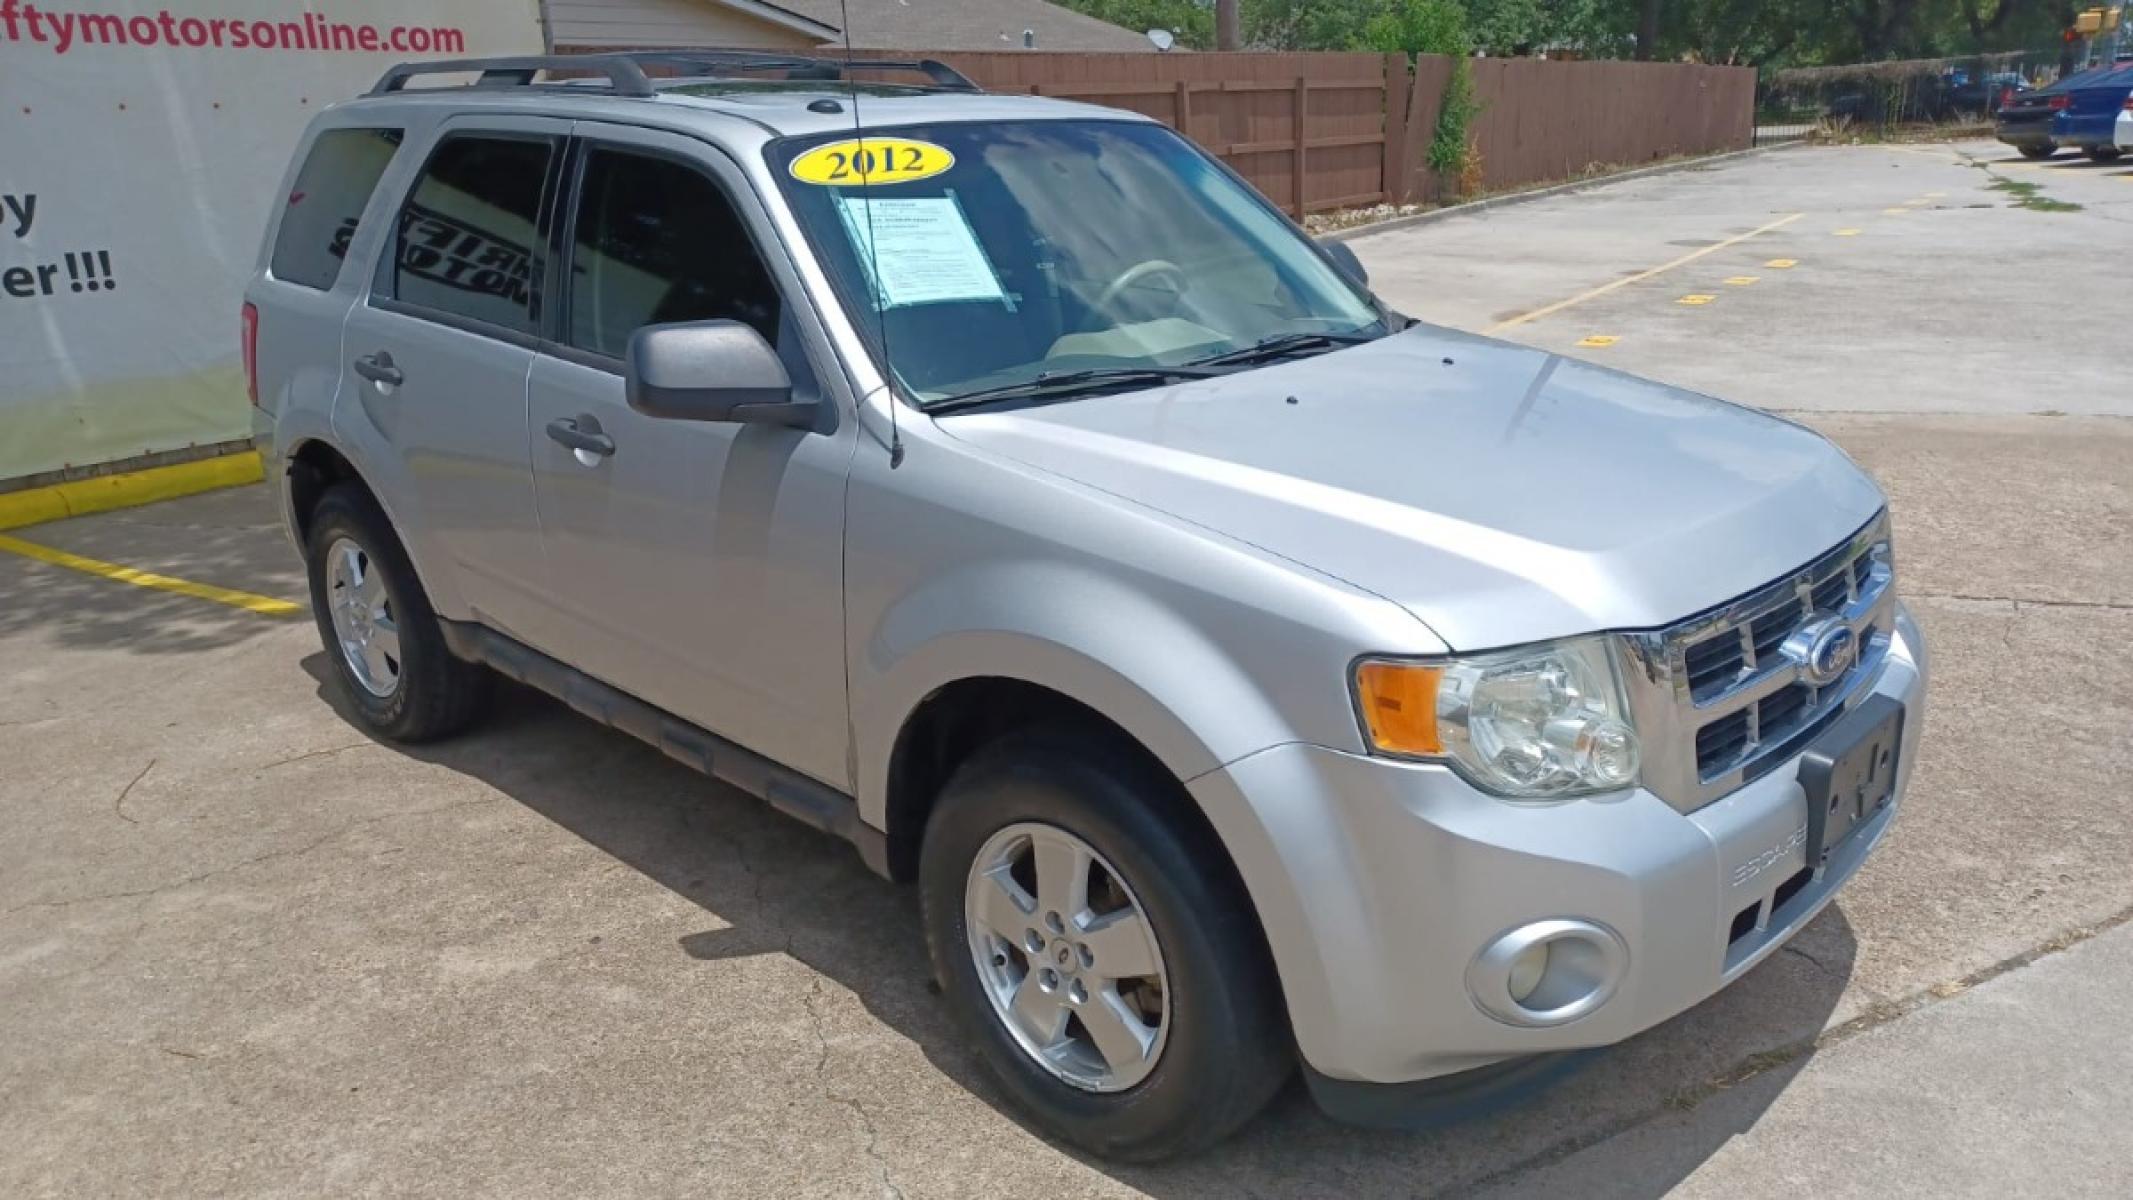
<point>1789,948</point>
<point>866,1121</point>
<point>2020,601</point>
<point>310,754</point>
<point>1764,1061</point>
<point>270,856</point>
<point>118,806</point>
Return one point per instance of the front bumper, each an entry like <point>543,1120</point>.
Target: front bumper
<point>1379,882</point>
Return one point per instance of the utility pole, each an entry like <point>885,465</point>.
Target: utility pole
<point>1226,35</point>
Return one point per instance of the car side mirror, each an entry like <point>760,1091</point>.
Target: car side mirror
<point>710,371</point>
<point>1345,259</point>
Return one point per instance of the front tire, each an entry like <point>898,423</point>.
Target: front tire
<point>1098,949</point>
<point>380,633</point>
<point>2103,153</point>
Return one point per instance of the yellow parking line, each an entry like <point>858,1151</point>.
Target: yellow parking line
<point>1597,340</point>
<point>1694,298</point>
<point>264,605</point>
<point>1844,233</point>
<point>1641,276</point>
<point>1741,280</point>
<point>1782,264</point>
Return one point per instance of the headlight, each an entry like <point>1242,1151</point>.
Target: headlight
<point>1541,722</point>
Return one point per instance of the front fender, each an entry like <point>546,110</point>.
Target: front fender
<point>962,565</point>
<point>1126,654</point>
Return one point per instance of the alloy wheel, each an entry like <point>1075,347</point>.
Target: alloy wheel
<point>1066,955</point>
<point>363,620</point>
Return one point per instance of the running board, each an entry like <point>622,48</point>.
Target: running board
<point>790,792</point>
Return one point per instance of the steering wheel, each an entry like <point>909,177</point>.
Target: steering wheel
<point>1135,274</point>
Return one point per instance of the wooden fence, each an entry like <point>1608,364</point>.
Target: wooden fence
<point>1315,132</point>
<point>1545,121</point>
<point>1308,130</point>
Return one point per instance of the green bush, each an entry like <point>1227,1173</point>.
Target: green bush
<point>1436,27</point>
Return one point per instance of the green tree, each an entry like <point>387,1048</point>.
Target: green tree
<point>1309,24</point>
<point>1192,25</point>
<point>1419,27</point>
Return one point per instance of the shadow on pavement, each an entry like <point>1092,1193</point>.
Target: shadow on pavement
<point>228,539</point>
<point>773,886</point>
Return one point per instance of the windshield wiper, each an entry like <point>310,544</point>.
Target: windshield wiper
<point>1053,385</point>
<point>1281,345</point>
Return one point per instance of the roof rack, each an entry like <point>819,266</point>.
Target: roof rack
<point>621,70</point>
<point>800,66</point>
<point>626,71</point>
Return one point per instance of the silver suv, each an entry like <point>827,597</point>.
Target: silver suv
<point>1249,677</point>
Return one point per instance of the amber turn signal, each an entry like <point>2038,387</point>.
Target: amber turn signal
<point>1399,703</point>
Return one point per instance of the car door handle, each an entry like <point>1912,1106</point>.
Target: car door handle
<point>379,368</point>
<point>581,433</point>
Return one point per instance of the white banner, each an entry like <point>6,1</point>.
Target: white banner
<point>140,149</point>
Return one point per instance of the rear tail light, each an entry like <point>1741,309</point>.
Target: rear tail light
<point>2059,102</point>
<point>2129,103</point>
<point>248,346</point>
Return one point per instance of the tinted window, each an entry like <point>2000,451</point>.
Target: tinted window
<point>331,189</point>
<point>469,231</point>
<point>658,242</point>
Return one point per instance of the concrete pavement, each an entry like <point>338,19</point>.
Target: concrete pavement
<point>2016,1088</point>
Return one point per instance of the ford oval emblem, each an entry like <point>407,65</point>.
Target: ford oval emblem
<point>1823,649</point>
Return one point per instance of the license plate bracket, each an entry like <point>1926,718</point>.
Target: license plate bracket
<point>1849,774</point>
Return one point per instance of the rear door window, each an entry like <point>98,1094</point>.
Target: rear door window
<point>320,213</point>
<point>468,240</point>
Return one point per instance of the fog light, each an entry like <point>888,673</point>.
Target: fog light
<point>1548,972</point>
<point>1526,971</point>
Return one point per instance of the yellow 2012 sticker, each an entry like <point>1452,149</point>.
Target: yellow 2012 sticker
<point>873,161</point>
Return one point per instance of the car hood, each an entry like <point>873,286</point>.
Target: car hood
<point>1500,494</point>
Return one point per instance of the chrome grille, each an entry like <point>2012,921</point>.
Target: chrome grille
<point>1719,700</point>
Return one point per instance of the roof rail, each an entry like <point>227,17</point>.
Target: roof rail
<point>802,66</point>
<point>621,70</point>
<point>625,70</point>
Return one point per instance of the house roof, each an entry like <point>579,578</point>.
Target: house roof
<point>785,15</point>
<point>933,25</point>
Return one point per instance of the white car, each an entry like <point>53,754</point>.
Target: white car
<point>2122,133</point>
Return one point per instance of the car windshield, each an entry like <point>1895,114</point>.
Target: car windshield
<point>980,256</point>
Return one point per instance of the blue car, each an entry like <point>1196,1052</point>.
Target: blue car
<point>2093,105</point>
<point>2076,111</point>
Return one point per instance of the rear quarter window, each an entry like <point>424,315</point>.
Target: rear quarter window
<point>321,210</point>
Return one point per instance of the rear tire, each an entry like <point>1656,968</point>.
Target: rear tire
<point>2037,152</point>
<point>381,635</point>
<point>2103,153</point>
<point>1220,1042</point>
